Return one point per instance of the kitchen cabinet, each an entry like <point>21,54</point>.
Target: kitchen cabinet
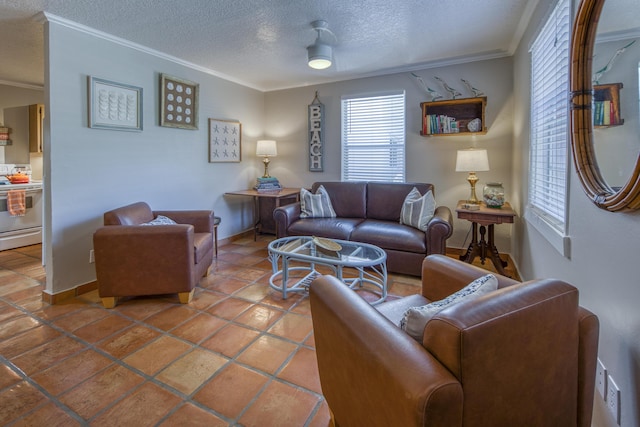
<point>36,123</point>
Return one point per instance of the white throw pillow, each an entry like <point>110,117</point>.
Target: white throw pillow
<point>417,210</point>
<point>160,220</point>
<point>415,319</point>
<point>316,205</point>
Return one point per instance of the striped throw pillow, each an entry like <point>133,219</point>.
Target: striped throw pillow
<point>316,205</point>
<point>417,210</point>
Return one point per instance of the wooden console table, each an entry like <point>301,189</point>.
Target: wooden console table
<point>264,204</point>
<point>485,217</point>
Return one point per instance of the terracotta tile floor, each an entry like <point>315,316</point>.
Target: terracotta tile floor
<point>238,355</point>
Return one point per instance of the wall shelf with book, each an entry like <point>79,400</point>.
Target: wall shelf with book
<point>454,117</point>
<point>606,105</point>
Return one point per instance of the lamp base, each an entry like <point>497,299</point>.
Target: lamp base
<point>266,168</point>
<point>472,178</point>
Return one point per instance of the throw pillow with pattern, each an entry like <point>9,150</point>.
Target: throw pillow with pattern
<point>415,319</point>
<point>160,220</point>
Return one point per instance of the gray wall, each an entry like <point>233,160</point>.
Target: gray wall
<point>90,171</point>
<point>604,257</point>
<point>429,159</point>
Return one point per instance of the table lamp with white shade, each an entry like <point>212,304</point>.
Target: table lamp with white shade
<point>472,160</point>
<point>266,149</point>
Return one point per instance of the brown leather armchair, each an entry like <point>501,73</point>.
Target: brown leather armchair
<point>134,259</point>
<point>524,355</point>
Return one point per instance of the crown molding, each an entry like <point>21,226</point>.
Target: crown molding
<point>22,85</point>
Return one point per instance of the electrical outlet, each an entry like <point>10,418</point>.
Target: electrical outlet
<point>92,257</point>
<point>613,399</point>
<point>601,379</point>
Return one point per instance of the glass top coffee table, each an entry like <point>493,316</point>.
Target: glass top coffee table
<point>290,256</point>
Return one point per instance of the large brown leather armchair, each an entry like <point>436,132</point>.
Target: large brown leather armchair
<point>134,259</point>
<point>524,355</point>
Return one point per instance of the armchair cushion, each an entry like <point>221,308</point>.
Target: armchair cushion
<point>417,210</point>
<point>416,318</point>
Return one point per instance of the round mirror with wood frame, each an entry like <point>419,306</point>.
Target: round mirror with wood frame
<point>584,33</point>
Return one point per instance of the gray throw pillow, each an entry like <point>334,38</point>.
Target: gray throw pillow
<point>415,318</point>
<point>316,205</point>
<point>417,210</point>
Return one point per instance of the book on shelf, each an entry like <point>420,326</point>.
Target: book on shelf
<point>604,113</point>
<point>439,123</point>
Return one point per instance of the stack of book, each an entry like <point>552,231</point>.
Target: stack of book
<point>267,185</point>
<point>4,136</point>
<point>438,123</point>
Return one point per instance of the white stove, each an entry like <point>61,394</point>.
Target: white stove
<point>17,231</point>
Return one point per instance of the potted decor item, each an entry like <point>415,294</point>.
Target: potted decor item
<point>493,195</point>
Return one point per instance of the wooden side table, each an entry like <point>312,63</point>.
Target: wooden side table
<point>485,217</point>
<point>260,213</point>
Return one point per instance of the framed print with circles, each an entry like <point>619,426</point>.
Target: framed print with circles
<point>178,102</point>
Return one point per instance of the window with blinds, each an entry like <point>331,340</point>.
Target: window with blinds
<point>549,119</point>
<point>373,138</point>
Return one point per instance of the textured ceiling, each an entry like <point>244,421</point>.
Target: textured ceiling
<point>262,43</point>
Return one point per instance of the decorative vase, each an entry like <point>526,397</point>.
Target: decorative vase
<point>493,194</point>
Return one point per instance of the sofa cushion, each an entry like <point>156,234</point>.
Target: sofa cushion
<point>415,319</point>
<point>331,228</point>
<point>418,209</point>
<point>390,235</point>
<point>160,220</point>
<point>316,205</point>
<point>385,199</point>
<point>348,198</point>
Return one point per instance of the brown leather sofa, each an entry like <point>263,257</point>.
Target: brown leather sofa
<point>524,355</point>
<point>133,259</point>
<point>369,212</point>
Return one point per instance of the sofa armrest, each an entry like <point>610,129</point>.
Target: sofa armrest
<point>443,276</point>
<point>439,229</point>
<point>202,220</point>
<point>130,257</point>
<point>372,373</point>
<point>284,216</point>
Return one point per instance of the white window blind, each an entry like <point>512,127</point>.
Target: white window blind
<point>549,118</point>
<point>373,138</point>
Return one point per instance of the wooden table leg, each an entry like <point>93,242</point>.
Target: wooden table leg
<point>256,217</point>
<point>483,244</point>
<point>494,255</point>
<point>474,248</point>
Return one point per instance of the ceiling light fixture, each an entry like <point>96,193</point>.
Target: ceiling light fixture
<point>320,53</point>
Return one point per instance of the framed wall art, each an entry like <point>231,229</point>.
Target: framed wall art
<point>178,102</point>
<point>225,138</point>
<point>114,106</point>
